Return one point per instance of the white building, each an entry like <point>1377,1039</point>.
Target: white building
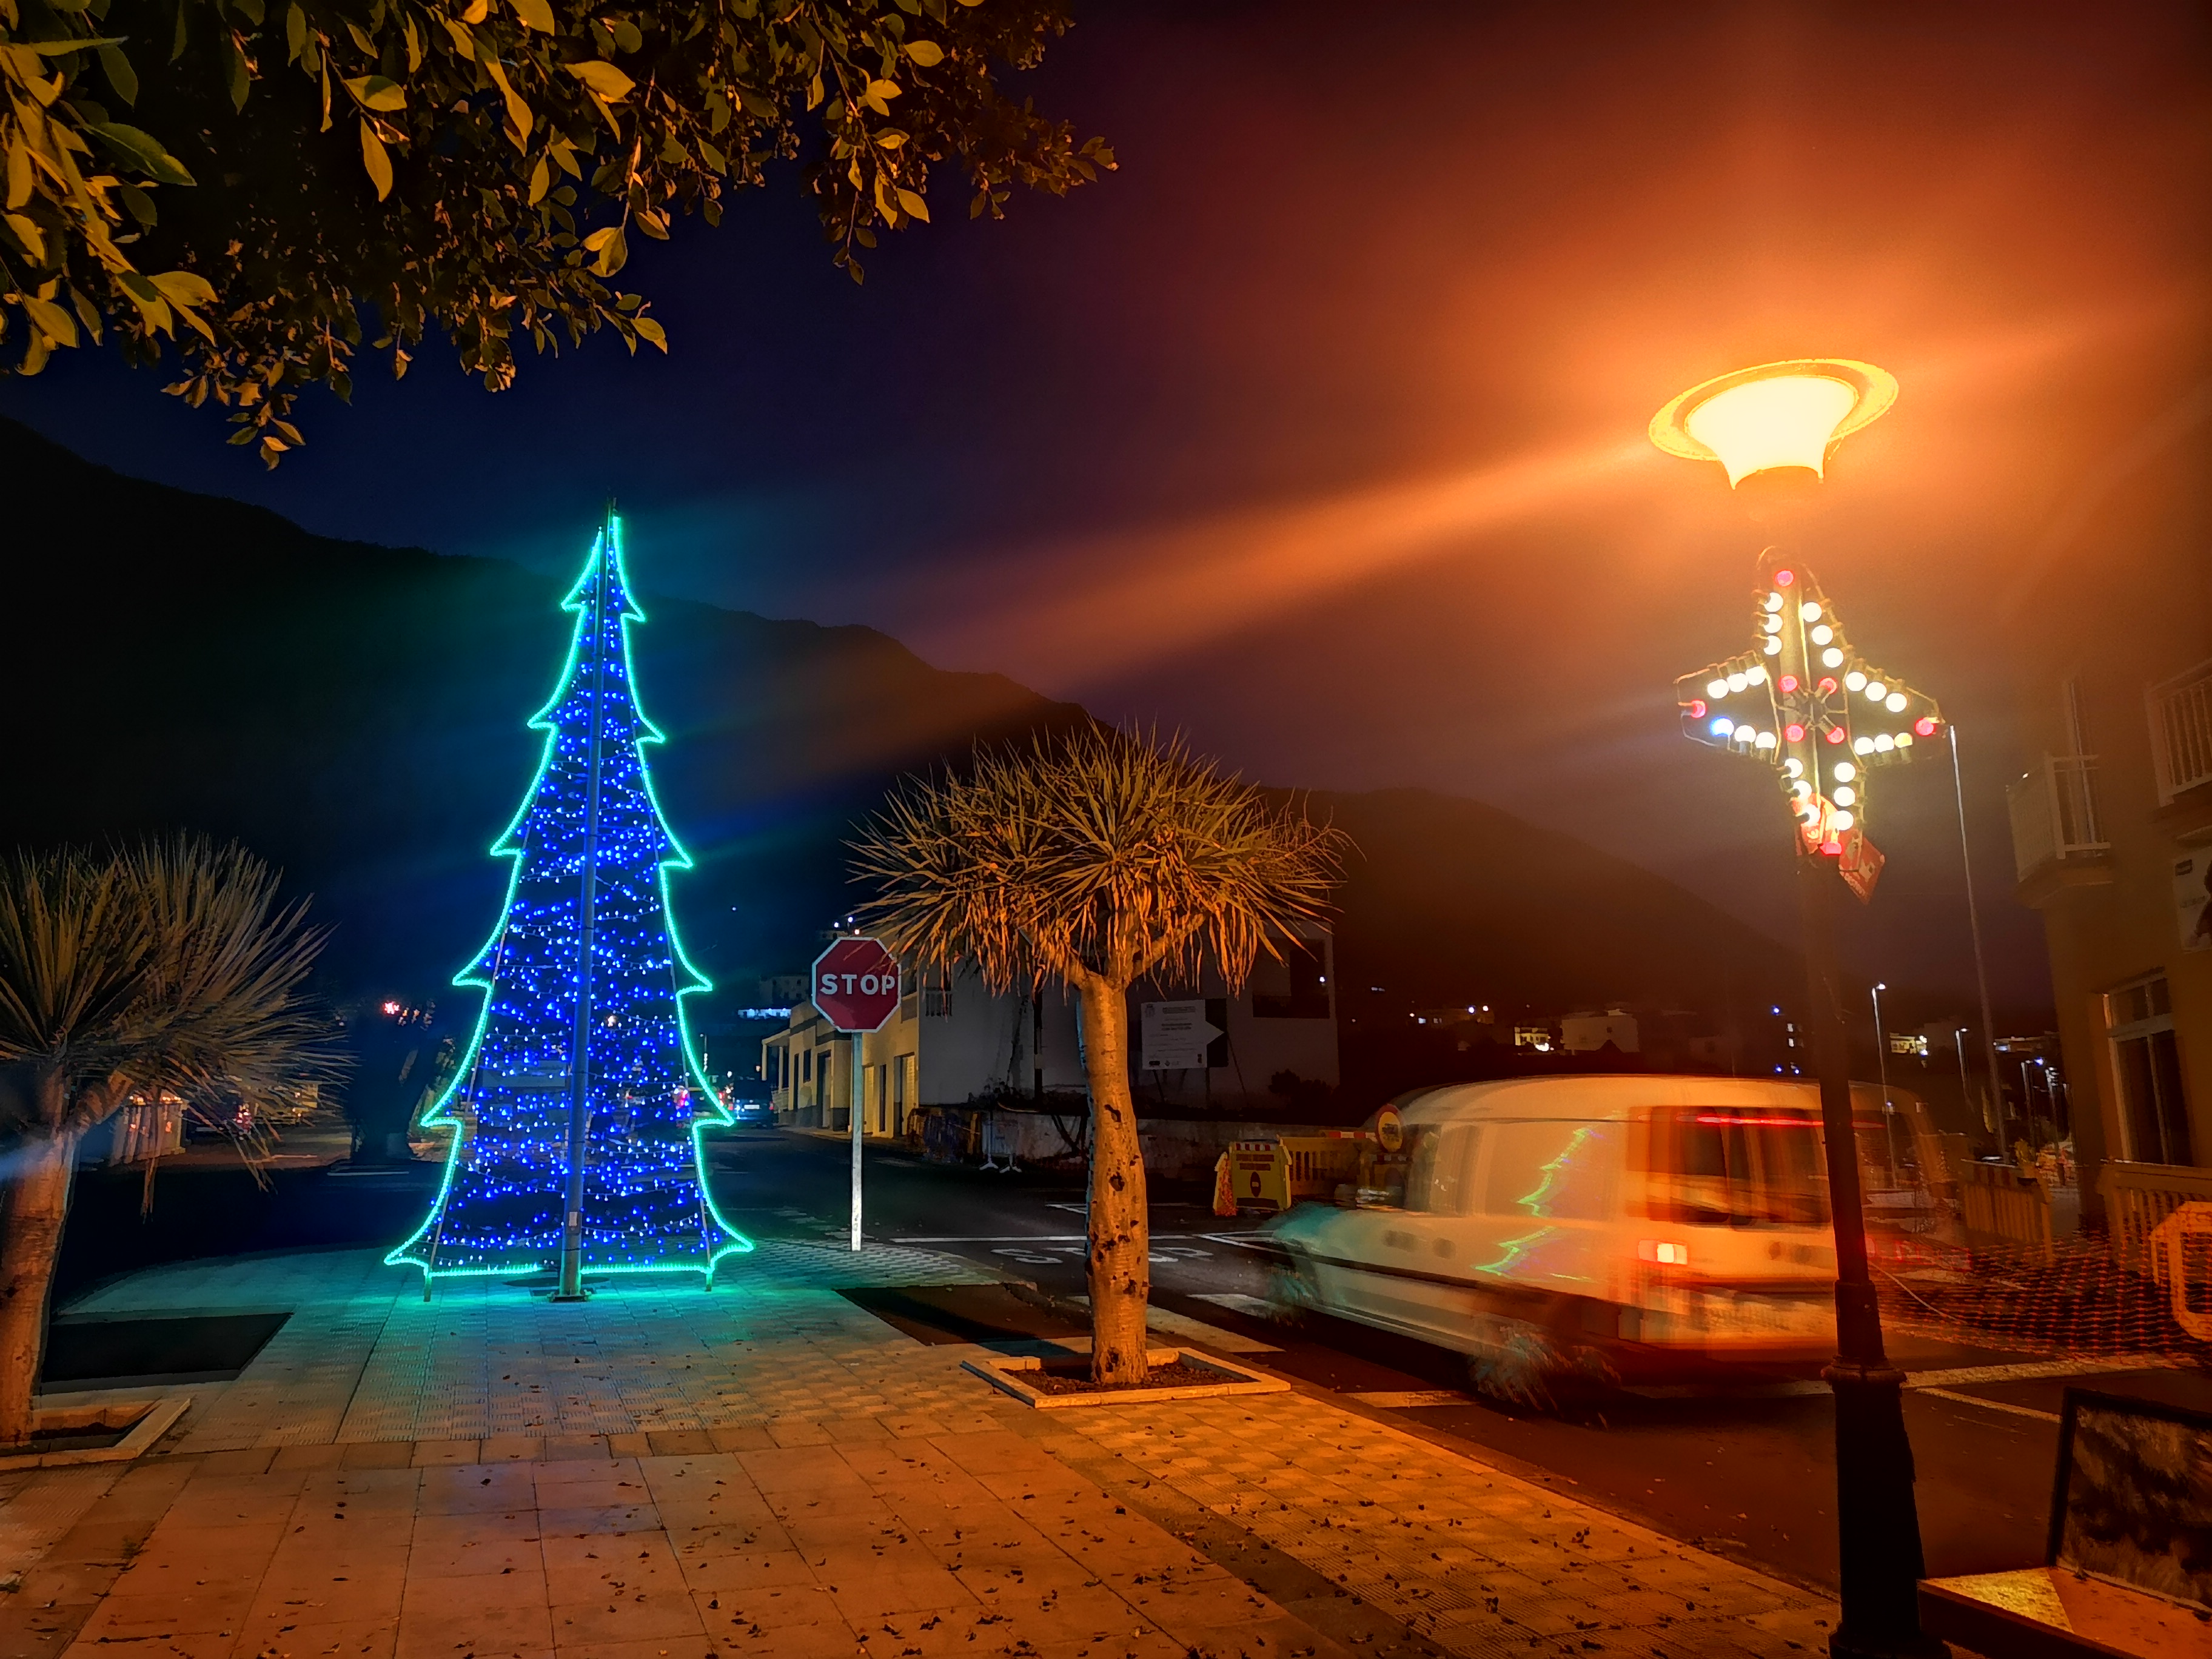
<point>955,1043</point>
<point>1587,1033</point>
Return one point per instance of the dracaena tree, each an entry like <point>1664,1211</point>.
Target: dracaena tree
<point>169,968</point>
<point>1093,860</point>
<point>256,189</point>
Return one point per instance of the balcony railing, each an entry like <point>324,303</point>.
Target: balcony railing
<point>2138,1196</point>
<point>2054,814</point>
<point>2181,731</point>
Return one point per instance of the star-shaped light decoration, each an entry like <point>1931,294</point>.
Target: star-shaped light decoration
<point>1802,701</point>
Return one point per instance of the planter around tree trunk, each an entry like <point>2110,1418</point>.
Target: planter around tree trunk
<point>1007,1375</point>
<point>142,1421</point>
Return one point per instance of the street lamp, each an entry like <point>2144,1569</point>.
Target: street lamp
<point>1881,1072</point>
<point>1803,702</point>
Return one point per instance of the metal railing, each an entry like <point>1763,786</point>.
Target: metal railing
<point>2139,1196</point>
<point>2054,813</point>
<point>2181,731</point>
<point>2004,1209</point>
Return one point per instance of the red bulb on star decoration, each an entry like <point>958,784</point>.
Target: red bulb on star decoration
<point>1789,681</point>
<point>1697,709</point>
<point>1827,688</point>
<point>1925,726</point>
<point>1784,578</point>
<point>1794,732</point>
<point>1835,734</point>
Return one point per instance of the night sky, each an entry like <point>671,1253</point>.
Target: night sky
<point>1317,430</point>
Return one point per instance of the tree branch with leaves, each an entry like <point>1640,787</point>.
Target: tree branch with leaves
<point>1093,861</point>
<point>297,177</point>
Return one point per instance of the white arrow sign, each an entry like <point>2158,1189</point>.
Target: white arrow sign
<point>1177,1034</point>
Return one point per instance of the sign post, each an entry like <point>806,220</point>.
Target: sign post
<point>856,987</point>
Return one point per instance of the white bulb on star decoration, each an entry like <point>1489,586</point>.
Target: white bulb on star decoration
<point>1756,673</point>
<point>1773,624</point>
<point>1846,795</point>
<point>1832,658</point>
<point>1823,634</point>
<point>1841,821</point>
<point>1845,771</point>
<point>1876,690</point>
<point>1716,688</point>
<point>1861,745</point>
<point>1884,743</point>
<point>1894,702</point>
<point>1766,740</point>
<point>1773,603</point>
<point>1809,612</point>
<point>1736,682</point>
<point>1855,681</point>
<point>1773,647</point>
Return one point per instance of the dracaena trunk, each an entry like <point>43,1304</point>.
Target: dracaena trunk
<point>1119,1265</point>
<point>34,1207</point>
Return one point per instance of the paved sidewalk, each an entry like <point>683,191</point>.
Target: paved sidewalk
<point>768,1470</point>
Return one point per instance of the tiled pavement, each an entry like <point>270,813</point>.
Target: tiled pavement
<point>664,1474</point>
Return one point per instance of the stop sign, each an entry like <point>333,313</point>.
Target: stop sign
<point>856,984</point>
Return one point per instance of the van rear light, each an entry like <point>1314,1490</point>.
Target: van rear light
<point>1665,1252</point>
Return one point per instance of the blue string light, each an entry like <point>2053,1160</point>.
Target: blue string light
<point>646,1204</point>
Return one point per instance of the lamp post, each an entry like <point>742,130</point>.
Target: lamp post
<point>1881,1072</point>
<point>1802,702</point>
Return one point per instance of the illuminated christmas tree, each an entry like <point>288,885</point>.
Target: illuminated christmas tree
<point>579,1100</point>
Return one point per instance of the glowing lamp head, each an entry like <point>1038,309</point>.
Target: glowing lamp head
<point>1776,414</point>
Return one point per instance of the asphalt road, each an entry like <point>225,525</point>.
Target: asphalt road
<point>1745,1471</point>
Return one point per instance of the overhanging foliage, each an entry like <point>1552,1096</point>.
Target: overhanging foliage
<point>289,168</point>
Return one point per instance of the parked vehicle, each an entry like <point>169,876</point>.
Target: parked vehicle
<point>1593,1230</point>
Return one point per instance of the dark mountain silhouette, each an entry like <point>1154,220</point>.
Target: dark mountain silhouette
<point>356,714</point>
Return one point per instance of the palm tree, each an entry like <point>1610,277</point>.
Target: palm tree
<point>167,968</point>
<point>1093,859</point>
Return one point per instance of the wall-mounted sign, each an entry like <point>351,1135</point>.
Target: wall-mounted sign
<point>1182,1037</point>
<point>2192,898</point>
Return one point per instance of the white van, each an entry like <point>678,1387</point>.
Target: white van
<point>1599,1229</point>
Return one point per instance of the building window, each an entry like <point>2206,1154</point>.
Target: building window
<point>2147,1068</point>
<point>1294,986</point>
<point>936,994</point>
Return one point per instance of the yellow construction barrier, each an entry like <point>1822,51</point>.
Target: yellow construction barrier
<point>2169,1264</point>
<point>1275,1174</point>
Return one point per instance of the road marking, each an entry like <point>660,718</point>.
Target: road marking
<point>1197,1330</point>
<point>1411,1399</point>
<point>1027,1238</point>
<point>1237,1302</point>
<point>2033,1369</point>
<point>1724,1390</point>
<point>1991,1404</point>
<point>1240,1241</point>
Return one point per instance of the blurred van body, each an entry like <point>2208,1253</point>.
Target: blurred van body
<point>1625,1229</point>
